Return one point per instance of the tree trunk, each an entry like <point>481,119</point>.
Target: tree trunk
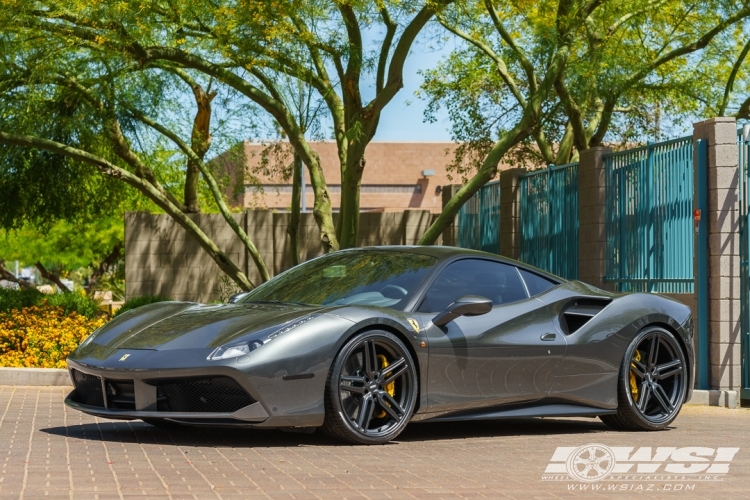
<point>322,208</point>
<point>51,277</point>
<point>293,229</point>
<point>9,276</point>
<point>485,174</point>
<point>103,267</point>
<point>351,181</point>
<point>201,141</point>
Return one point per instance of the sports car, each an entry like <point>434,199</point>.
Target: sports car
<point>361,342</point>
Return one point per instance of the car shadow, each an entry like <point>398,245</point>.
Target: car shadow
<point>430,431</point>
<point>138,432</point>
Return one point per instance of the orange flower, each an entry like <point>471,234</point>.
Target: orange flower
<point>42,337</point>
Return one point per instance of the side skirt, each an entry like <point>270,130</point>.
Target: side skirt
<point>548,410</point>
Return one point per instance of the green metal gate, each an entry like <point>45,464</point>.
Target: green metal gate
<point>744,200</point>
<point>549,219</point>
<point>649,228</point>
<point>479,220</point>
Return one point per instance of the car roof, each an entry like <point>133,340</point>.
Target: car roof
<point>444,253</point>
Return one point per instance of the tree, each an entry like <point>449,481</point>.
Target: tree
<point>546,80</point>
<point>89,107</point>
<point>248,46</point>
<point>63,248</point>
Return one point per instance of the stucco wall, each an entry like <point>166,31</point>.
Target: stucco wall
<point>161,258</point>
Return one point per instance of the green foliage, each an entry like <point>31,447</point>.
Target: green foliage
<point>74,302</point>
<point>632,70</point>
<point>18,299</point>
<point>64,246</point>
<point>68,302</point>
<point>141,301</point>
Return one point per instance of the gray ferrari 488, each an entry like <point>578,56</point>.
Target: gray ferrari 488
<point>361,342</point>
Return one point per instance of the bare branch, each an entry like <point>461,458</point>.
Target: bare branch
<point>524,60</point>
<point>54,278</point>
<point>385,49</point>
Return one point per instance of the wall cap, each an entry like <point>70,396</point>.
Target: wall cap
<point>34,377</point>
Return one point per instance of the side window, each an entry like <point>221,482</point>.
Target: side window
<point>497,281</point>
<point>535,283</point>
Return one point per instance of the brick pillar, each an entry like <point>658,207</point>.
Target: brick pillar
<point>450,234</point>
<point>723,251</point>
<point>510,212</point>
<point>592,240</point>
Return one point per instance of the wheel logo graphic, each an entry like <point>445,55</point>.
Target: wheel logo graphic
<point>591,462</point>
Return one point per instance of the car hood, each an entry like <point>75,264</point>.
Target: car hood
<point>186,325</point>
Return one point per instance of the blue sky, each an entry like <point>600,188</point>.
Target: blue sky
<point>402,119</point>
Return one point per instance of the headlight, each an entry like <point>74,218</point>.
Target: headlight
<point>251,343</point>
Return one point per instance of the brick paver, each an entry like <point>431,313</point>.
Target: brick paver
<point>49,451</point>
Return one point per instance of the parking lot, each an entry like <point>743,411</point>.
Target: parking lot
<point>49,451</point>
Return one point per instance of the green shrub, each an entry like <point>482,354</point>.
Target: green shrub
<point>29,297</point>
<point>18,299</point>
<point>74,302</point>
<point>141,301</point>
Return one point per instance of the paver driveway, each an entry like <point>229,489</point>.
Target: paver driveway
<point>49,451</point>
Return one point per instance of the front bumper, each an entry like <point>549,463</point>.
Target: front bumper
<point>181,395</point>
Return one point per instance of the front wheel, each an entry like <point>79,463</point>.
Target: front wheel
<point>652,384</point>
<point>371,391</point>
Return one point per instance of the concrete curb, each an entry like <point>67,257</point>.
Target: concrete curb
<point>727,399</point>
<point>34,376</point>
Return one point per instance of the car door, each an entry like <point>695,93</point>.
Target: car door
<point>508,355</point>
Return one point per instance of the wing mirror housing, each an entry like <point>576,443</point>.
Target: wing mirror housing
<point>468,305</point>
<point>236,297</point>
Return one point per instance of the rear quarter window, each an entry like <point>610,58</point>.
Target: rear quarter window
<point>535,283</point>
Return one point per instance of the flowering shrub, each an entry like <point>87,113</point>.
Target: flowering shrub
<point>42,337</point>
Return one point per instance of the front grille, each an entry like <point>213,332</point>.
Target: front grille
<point>88,389</point>
<point>213,395</point>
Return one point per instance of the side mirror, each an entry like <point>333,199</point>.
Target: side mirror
<point>236,297</point>
<point>468,305</point>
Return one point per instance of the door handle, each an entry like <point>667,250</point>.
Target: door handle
<point>549,336</point>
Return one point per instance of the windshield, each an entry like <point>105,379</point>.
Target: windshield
<point>357,277</point>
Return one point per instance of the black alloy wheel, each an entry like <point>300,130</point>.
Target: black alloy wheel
<point>372,389</point>
<point>652,384</point>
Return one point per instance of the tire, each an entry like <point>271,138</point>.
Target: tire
<point>652,383</point>
<point>370,403</point>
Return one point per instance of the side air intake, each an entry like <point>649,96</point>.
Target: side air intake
<point>579,312</point>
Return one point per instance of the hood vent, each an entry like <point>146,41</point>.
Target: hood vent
<point>579,312</point>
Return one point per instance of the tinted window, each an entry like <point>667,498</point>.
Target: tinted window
<point>493,280</point>
<point>373,278</point>
<point>535,283</point>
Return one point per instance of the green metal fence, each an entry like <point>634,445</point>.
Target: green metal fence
<point>549,219</point>
<point>649,229</point>
<point>479,220</point>
<point>744,200</point>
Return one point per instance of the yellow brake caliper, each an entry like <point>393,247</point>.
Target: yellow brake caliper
<point>390,388</point>
<point>633,382</point>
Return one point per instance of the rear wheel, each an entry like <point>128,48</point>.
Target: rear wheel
<point>371,391</point>
<point>652,384</point>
